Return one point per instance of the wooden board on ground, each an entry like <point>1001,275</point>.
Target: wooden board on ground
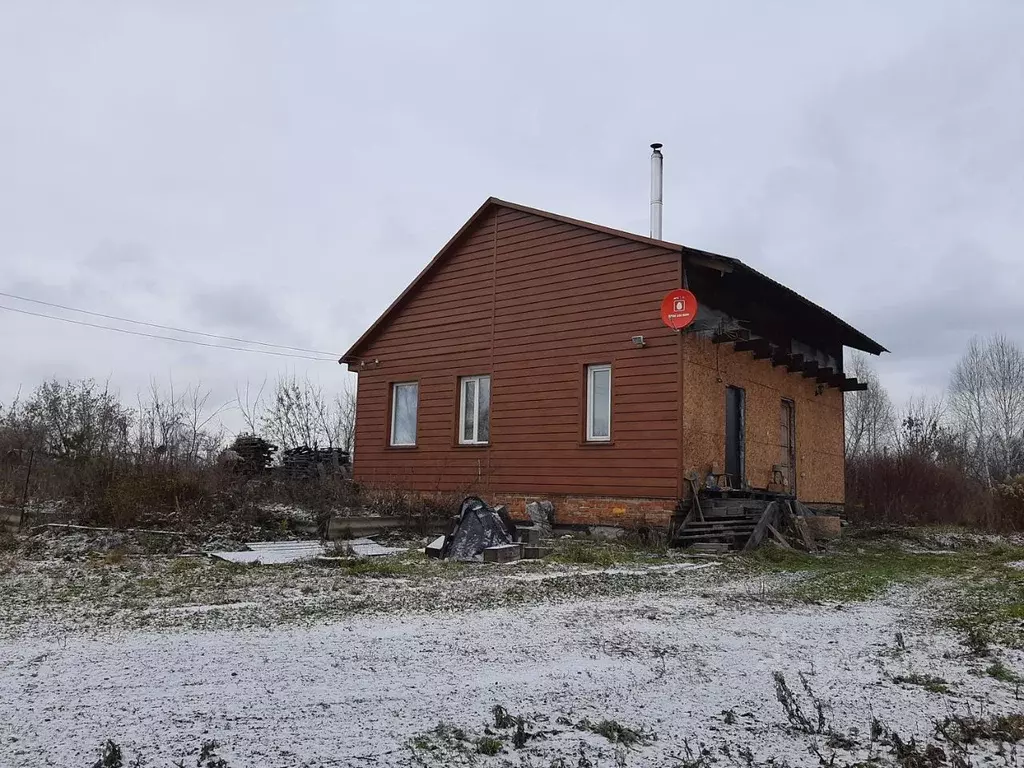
<point>801,527</point>
<point>779,538</point>
<point>761,529</point>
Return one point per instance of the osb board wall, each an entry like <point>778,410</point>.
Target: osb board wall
<point>710,368</point>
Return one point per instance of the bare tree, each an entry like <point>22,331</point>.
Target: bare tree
<point>1005,370</point>
<point>251,406</point>
<point>987,397</point>
<point>920,428</point>
<point>300,413</point>
<point>293,417</point>
<point>345,404</point>
<point>78,419</point>
<point>870,418</point>
<point>177,426</point>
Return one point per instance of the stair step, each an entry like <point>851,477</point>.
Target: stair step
<point>713,536</point>
<point>717,526</point>
<point>727,518</point>
<point>710,547</point>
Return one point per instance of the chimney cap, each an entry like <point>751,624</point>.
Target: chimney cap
<point>656,146</point>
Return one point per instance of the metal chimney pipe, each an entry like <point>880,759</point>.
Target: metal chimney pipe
<point>656,190</point>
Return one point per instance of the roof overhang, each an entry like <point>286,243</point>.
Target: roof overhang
<point>786,306</point>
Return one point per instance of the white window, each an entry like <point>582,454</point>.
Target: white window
<point>403,413</point>
<point>475,410</point>
<point>599,402</point>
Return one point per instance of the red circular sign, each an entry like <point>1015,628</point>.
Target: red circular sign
<point>678,309</point>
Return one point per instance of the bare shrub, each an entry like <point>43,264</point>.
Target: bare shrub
<point>301,414</point>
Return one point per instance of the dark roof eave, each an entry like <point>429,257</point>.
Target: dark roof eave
<point>851,337</point>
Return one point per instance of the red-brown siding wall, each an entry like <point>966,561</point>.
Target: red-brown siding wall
<point>531,301</point>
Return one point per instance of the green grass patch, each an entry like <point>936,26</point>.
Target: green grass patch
<point>488,745</point>
<point>863,570</point>
<point>184,564</point>
<point>930,683</point>
<point>375,566</point>
<point>601,553</point>
<point>1003,673</point>
<point>615,732</point>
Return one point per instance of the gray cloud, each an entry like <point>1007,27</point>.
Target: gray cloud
<point>320,153</point>
<point>239,308</point>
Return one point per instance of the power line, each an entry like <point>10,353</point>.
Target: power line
<point>163,338</point>
<point>167,327</point>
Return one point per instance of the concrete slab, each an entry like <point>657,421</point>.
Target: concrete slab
<point>504,553</point>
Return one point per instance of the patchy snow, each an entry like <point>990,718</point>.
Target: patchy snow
<point>356,691</point>
<point>618,571</point>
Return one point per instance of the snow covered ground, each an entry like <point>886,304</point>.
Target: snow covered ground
<point>688,664</point>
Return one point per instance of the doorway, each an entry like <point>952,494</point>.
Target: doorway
<point>787,444</point>
<point>735,447</point>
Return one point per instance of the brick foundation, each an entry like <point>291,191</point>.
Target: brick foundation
<point>592,510</point>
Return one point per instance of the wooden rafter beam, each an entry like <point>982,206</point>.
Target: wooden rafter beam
<point>795,363</point>
<point>825,376</point>
<point>810,370</point>
<point>730,336</point>
<point>852,385</point>
<point>764,350</point>
<point>747,345</point>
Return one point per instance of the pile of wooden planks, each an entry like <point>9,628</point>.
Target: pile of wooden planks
<point>783,522</point>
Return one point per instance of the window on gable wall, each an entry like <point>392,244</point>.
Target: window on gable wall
<point>475,410</point>
<point>404,398</point>
<point>599,403</point>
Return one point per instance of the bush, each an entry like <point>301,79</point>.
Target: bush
<point>914,489</point>
<point>1009,498</point>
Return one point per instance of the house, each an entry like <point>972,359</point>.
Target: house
<point>529,360</point>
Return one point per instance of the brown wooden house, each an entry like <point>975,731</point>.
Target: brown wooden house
<point>528,360</point>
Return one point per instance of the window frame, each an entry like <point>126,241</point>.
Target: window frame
<point>591,369</point>
<point>395,385</point>
<point>463,382</point>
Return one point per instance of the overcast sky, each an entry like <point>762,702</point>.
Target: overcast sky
<point>281,170</point>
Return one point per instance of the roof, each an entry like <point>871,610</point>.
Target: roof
<point>847,334</point>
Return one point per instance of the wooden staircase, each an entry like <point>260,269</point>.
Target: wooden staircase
<point>728,521</point>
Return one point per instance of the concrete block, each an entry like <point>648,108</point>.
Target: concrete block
<point>535,553</point>
<point>434,548</point>
<point>504,553</point>
<point>528,534</point>
<point>542,513</point>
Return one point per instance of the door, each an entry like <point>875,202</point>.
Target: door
<point>787,444</point>
<point>734,440</point>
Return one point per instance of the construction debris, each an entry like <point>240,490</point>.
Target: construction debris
<point>481,533</point>
<point>503,553</point>
<point>535,553</point>
<point>542,513</point>
<point>477,528</point>
<point>304,461</point>
<point>368,548</point>
<point>435,548</point>
<point>274,552</point>
<point>285,552</point>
